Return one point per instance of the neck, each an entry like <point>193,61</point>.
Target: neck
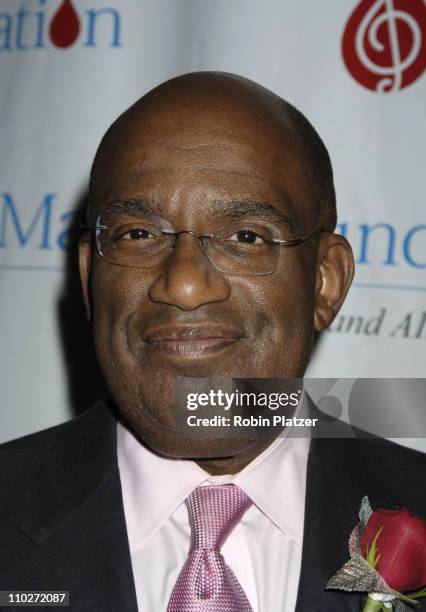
<point>218,466</point>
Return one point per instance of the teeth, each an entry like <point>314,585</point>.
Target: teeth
<point>193,332</point>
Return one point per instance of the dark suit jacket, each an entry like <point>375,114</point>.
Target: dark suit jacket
<point>62,524</point>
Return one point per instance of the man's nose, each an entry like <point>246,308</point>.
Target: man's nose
<point>188,280</point>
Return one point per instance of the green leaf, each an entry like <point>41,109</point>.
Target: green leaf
<point>417,594</point>
<point>373,555</point>
<point>407,598</point>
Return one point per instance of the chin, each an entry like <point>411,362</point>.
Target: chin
<point>212,449</point>
<point>168,442</point>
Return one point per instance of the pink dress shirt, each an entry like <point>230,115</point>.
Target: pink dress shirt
<point>264,550</point>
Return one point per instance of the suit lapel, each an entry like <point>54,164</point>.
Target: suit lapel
<point>67,526</point>
<point>330,515</point>
<point>340,472</point>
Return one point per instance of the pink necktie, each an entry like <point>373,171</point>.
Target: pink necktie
<point>206,583</point>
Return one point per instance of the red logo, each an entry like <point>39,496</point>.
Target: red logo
<point>65,25</point>
<point>384,43</point>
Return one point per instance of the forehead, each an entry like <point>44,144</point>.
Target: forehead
<point>188,163</point>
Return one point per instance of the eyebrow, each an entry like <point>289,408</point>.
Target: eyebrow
<point>221,208</point>
<point>264,210</point>
<point>132,206</point>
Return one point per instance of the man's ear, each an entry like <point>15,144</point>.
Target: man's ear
<point>85,255</point>
<point>335,271</point>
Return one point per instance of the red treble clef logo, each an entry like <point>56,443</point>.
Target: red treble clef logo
<point>384,43</point>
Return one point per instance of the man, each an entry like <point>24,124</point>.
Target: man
<point>210,252</point>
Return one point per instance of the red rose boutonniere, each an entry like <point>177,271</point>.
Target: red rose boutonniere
<point>388,559</point>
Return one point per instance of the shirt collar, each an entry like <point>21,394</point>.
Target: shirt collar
<point>276,482</point>
<point>154,486</point>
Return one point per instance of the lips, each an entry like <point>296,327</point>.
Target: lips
<point>191,340</point>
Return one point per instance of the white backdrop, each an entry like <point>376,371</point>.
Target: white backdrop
<point>66,75</point>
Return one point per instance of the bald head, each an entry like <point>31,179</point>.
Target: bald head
<point>192,109</point>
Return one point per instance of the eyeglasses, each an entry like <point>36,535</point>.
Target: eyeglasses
<point>237,247</point>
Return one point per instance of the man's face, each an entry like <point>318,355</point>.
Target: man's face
<point>184,317</point>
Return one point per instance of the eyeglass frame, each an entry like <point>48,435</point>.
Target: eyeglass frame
<point>97,228</point>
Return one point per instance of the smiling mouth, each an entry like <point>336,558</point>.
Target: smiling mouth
<point>191,341</point>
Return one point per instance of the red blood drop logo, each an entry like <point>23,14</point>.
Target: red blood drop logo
<point>65,25</point>
<point>384,43</point>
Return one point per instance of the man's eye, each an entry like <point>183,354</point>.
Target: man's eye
<point>137,233</point>
<point>247,236</point>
